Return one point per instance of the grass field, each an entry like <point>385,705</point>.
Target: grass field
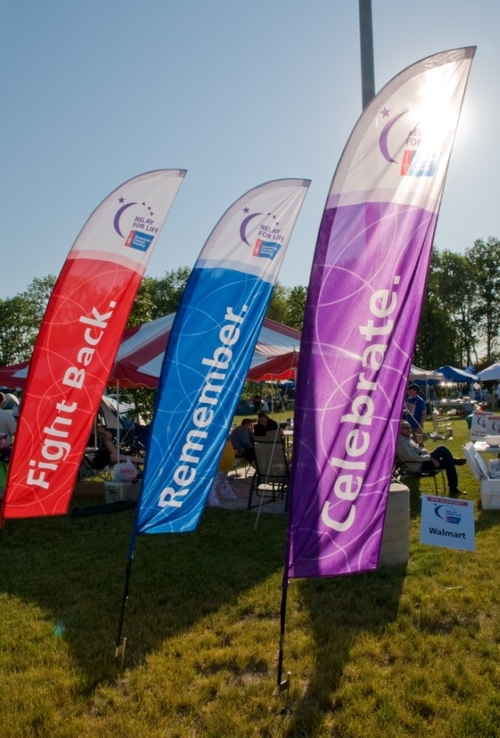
<point>399,652</point>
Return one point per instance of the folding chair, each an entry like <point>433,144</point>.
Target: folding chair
<point>270,480</point>
<point>401,471</point>
<point>240,462</point>
<point>95,466</point>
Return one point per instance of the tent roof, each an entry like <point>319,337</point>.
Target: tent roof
<point>457,375</point>
<point>279,367</point>
<point>425,375</point>
<point>15,375</point>
<point>491,373</point>
<point>140,356</point>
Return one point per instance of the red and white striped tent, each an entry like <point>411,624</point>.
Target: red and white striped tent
<point>14,376</point>
<point>140,356</point>
<point>141,352</point>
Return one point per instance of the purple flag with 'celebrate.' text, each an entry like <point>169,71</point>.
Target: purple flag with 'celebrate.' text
<point>364,301</point>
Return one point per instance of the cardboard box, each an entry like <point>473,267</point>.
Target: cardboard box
<point>121,491</point>
<point>490,494</point>
<point>89,489</point>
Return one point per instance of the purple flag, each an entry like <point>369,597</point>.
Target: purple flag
<point>364,300</point>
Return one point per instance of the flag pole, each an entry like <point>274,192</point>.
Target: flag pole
<point>368,92</point>
<point>121,643</point>
<point>366,46</point>
<point>283,684</point>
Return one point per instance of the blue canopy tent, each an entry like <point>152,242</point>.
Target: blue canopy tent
<point>452,374</point>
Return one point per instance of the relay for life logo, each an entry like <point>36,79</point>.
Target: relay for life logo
<point>136,220</point>
<point>269,238</point>
<point>422,148</point>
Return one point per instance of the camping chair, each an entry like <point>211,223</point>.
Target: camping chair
<point>95,466</point>
<point>270,480</point>
<point>241,462</point>
<point>401,472</point>
<point>441,424</point>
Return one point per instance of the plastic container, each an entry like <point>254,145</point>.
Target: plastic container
<point>490,494</point>
<point>395,546</point>
<point>121,491</point>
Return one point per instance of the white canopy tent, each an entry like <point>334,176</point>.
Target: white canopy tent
<point>425,375</point>
<point>491,373</point>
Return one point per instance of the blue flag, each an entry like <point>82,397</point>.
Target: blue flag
<point>209,352</point>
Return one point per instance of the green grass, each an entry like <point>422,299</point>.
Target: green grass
<point>400,652</point>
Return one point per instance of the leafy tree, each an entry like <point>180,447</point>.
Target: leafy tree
<point>278,304</point>
<point>37,295</point>
<point>20,319</point>
<point>484,261</point>
<point>457,292</point>
<point>296,307</point>
<point>434,337</point>
<point>143,308</point>
<point>166,293</point>
<point>16,340</point>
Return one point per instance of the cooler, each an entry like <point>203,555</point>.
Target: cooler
<point>121,491</point>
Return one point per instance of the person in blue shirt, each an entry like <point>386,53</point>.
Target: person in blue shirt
<point>242,439</point>
<point>416,410</point>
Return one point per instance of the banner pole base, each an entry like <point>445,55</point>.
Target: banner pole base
<point>284,686</point>
<point>120,650</point>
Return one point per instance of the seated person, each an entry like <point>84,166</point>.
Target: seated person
<point>114,457</point>
<point>5,447</point>
<point>264,424</point>
<point>8,424</point>
<point>241,438</point>
<point>417,459</point>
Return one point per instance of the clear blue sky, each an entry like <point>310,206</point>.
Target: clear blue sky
<point>237,93</point>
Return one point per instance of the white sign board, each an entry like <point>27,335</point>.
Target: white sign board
<point>447,522</point>
<point>484,424</point>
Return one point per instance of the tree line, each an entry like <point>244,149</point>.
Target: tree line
<point>460,319</point>
<point>459,323</point>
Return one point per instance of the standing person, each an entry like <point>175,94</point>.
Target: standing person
<point>416,410</point>
<point>8,424</point>
<point>416,458</point>
<point>242,439</point>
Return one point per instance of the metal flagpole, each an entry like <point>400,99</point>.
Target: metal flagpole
<point>366,45</point>
<point>121,643</point>
<point>283,684</point>
<point>368,93</point>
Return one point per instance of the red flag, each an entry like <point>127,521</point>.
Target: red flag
<point>78,340</point>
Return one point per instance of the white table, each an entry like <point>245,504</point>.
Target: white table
<point>288,439</point>
<point>482,448</point>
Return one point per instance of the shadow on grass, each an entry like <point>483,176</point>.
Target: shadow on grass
<point>487,519</point>
<point>340,610</point>
<point>73,569</point>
